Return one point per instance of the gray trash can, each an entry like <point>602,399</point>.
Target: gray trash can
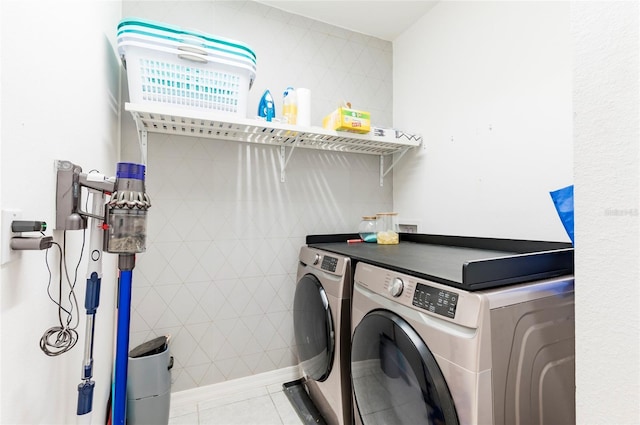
<point>149,383</point>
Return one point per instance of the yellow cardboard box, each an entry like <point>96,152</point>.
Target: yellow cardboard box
<point>346,119</point>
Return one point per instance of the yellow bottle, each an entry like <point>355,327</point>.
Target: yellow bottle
<point>289,106</point>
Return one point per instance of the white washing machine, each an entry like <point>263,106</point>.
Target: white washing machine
<point>321,321</point>
<point>427,353</point>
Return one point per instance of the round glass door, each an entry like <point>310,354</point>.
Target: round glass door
<point>395,377</point>
<point>313,328</point>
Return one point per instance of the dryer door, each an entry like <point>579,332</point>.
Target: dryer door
<point>313,328</point>
<point>395,377</point>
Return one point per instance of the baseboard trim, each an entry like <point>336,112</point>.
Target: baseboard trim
<point>234,386</point>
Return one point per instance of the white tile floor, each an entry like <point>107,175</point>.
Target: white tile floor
<point>251,403</point>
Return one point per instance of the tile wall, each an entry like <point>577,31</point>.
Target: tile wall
<point>219,273</point>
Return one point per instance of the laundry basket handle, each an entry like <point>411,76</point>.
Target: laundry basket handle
<point>194,42</point>
<point>192,58</point>
<point>193,49</point>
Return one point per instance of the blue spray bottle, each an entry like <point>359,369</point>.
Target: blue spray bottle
<point>266,107</point>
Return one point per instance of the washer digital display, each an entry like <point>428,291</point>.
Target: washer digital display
<point>435,300</point>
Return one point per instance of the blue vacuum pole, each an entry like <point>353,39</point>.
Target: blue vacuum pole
<point>126,235</point>
<point>125,264</point>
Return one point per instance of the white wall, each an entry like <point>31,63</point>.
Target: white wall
<point>60,97</point>
<point>219,273</point>
<point>606,99</point>
<point>488,85</point>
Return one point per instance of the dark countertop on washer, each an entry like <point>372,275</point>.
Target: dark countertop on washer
<point>465,262</point>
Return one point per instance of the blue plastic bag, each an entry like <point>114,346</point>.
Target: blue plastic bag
<point>563,201</point>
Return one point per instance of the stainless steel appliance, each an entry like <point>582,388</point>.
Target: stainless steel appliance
<point>427,352</point>
<point>322,331</point>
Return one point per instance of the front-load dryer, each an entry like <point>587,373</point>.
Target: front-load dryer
<point>321,321</point>
<point>428,353</point>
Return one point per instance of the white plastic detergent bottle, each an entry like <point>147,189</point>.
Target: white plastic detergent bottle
<point>290,106</point>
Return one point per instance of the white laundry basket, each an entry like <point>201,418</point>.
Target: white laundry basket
<point>186,69</point>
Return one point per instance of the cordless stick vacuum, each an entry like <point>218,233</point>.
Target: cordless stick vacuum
<point>70,216</point>
<point>121,230</point>
<point>125,235</point>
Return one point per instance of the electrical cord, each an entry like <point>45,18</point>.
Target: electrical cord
<point>72,286</point>
<point>63,337</point>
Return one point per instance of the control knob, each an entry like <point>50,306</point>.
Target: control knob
<point>396,287</point>
<point>316,259</point>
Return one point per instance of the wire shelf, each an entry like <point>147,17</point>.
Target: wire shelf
<point>196,123</point>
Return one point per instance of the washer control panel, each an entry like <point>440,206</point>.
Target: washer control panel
<point>329,263</point>
<point>435,300</point>
<point>431,298</point>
